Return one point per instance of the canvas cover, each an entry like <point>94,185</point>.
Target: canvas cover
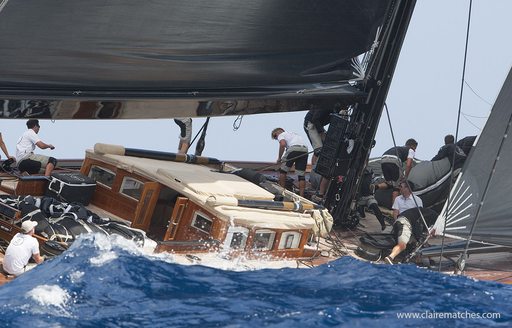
<point>200,183</point>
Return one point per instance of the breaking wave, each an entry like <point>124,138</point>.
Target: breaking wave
<point>104,281</point>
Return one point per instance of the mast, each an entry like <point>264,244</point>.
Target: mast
<point>364,121</point>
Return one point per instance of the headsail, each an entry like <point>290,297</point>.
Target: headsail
<point>483,192</point>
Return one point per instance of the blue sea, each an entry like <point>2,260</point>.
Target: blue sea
<point>101,282</point>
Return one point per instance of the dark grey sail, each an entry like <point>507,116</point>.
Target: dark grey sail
<point>104,59</point>
<point>483,192</point>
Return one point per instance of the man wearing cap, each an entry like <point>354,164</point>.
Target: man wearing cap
<point>22,246</point>
<point>25,157</point>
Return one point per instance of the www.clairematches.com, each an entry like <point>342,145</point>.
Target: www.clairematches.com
<point>448,315</point>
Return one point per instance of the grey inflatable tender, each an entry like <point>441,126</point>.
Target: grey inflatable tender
<point>428,173</point>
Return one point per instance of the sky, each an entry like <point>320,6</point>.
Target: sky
<point>423,100</point>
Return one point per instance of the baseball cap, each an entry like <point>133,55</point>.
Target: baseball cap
<point>28,225</point>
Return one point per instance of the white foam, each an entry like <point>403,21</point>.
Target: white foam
<point>103,258</point>
<point>76,276</point>
<point>50,295</point>
<point>214,259</point>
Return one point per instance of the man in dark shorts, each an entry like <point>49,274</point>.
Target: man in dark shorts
<point>26,159</point>
<point>410,228</point>
<point>391,163</point>
<point>292,150</point>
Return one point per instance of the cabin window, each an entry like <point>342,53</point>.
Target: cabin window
<point>264,239</point>
<point>132,188</point>
<point>290,239</point>
<point>236,238</point>
<point>202,222</point>
<point>102,176</point>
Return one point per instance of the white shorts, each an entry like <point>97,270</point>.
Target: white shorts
<point>314,137</point>
<point>405,236</point>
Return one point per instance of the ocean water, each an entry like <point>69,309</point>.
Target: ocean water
<point>104,282</point>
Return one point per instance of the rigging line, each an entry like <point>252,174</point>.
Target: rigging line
<point>476,94</point>
<point>469,121</point>
<point>281,161</point>
<point>473,116</point>
<point>198,132</point>
<point>458,126</point>
<point>397,155</point>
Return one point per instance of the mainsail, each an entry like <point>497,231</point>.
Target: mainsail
<point>108,59</point>
<point>483,192</point>
<point>191,45</point>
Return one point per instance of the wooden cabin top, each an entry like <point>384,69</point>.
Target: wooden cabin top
<point>215,191</point>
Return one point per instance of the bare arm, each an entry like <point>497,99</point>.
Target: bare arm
<point>4,148</point>
<point>38,258</point>
<point>395,214</point>
<point>408,166</point>
<point>43,145</point>
<point>282,147</point>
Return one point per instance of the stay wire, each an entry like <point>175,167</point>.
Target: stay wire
<point>281,161</point>
<point>397,155</point>
<point>200,130</point>
<point>461,94</point>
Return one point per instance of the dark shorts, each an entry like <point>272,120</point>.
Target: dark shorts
<point>33,164</point>
<point>391,168</point>
<point>299,157</point>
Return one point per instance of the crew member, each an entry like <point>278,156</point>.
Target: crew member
<point>27,160</point>
<point>410,227</point>
<point>22,246</point>
<point>292,150</point>
<point>392,162</point>
<point>450,150</point>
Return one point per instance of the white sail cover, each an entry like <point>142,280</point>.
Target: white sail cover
<point>483,193</point>
<point>200,183</point>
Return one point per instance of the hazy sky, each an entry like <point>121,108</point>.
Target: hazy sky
<point>423,99</point>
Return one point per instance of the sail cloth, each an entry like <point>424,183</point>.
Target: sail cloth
<point>484,187</point>
<point>182,45</point>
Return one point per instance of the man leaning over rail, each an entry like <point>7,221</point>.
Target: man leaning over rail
<point>22,246</point>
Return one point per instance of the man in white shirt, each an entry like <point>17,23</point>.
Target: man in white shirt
<point>292,150</point>
<point>402,203</point>
<point>25,157</point>
<point>22,246</point>
<point>405,201</point>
